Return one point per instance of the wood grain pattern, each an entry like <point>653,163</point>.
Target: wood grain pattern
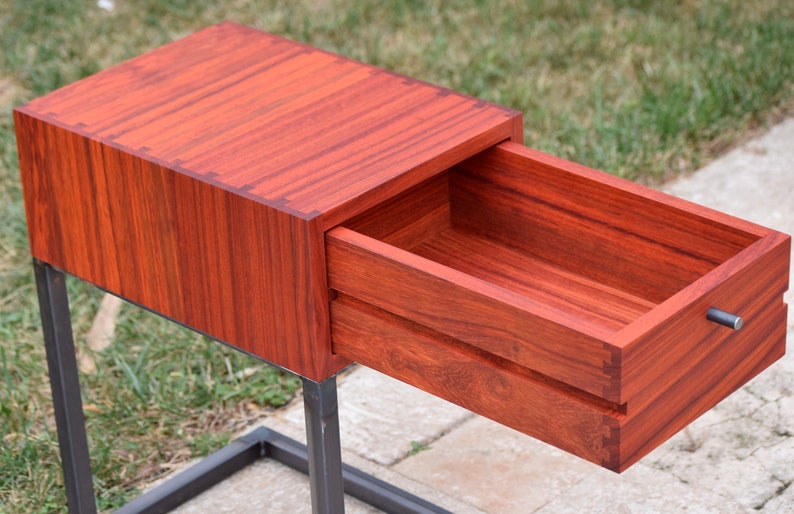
<point>470,309</point>
<point>237,270</point>
<point>518,398</point>
<point>550,410</point>
<point>671,340</point>
<point>722,371</point>
<point>302,130</point>
<point>595,225</point>
<point>197,180</point>
<point>590,285</point>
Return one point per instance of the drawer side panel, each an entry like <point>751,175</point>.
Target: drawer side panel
<point>614,232</point>
<point>473,311</point>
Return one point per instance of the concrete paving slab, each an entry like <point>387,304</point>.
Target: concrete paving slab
<point>781,504</point>
<point>778,457</point>
<point>265,486</point>
<point>740,450</point>
<point>639,490</point>
<point>379,417</point>
<point>496,468</point>
<point>742,481</point>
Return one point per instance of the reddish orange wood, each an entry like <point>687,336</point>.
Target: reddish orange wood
<point>496,388</point>
<point>197,179</point>
<point>531,403</point>
<point>595,226</point>
<point>598,288</point>
<point>720,372</point>
<point>469,309</point>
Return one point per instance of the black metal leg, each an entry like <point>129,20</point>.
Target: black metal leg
<point>321,458</point>
<point>325,454</point>
<point>62,362</point>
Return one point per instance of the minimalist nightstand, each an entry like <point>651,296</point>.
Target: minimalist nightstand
<point>312,211</point>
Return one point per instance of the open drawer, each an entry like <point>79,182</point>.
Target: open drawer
<point>560,301</point>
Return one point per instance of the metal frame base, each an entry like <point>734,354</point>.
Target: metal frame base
<point>266,443</point>
<point>321,459</point>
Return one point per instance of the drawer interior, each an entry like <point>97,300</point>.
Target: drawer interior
<point>563,239</point>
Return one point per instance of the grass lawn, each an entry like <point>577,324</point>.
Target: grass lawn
<point>643,89</point>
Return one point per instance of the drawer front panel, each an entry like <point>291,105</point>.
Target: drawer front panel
<point>534,405</point>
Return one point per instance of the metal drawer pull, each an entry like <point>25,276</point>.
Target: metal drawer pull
<point>724,318</point>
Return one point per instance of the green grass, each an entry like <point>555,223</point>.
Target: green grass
<point>642,89</point>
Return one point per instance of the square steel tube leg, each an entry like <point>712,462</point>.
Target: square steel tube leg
<point>323,443</point>
<point>56,324</point>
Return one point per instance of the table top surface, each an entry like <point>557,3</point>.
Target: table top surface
<point>294,127</point>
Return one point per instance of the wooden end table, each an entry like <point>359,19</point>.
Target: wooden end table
<point>312,211</point>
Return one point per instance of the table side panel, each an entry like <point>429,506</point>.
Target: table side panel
<point>237,270</point>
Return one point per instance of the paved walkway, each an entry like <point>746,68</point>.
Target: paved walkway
<point>738,457</point>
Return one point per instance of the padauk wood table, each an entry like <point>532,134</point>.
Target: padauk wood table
<point>311,210</point>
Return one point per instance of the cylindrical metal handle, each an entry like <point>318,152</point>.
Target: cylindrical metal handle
<point>724,318</point>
